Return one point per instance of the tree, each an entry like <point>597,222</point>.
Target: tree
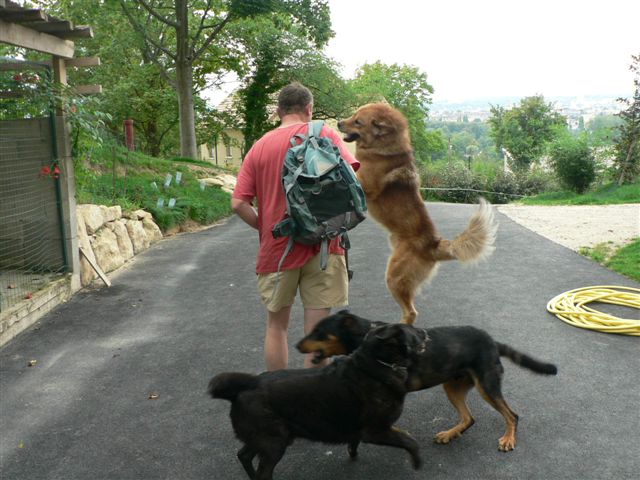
<point>573,161</point>
<point>279,47</point>
<point>406,88</point>
<point>524,130</point>
<point>179,37</point>
<point>133,86</point>
<point>628,143</point>
<point>602,129</point>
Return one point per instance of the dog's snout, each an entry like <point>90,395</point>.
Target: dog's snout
<point>341,124</point>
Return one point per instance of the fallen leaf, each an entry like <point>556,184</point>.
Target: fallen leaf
<point>32,363</point>
<point>153,395</point>
<point>11,285</point>
<point>28,296</point>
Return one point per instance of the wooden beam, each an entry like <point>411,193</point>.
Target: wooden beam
<point>19,16</point>
<point>9,66</point>
<point>28,38</point>
<point>83,62</point>
<point>80,31</point>
<point>88,89</point>
<point>53,26</point>
<point>12,94</point>
<point>96,267</point>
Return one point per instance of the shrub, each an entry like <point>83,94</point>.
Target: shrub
<point>505,186</point>
<point>457,178</point>
<point>535,181</point>
<point>573,162</point>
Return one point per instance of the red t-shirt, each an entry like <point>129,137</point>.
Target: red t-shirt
<point>260,178</point>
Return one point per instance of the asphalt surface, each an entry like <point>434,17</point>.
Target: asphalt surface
<point>188,308</point>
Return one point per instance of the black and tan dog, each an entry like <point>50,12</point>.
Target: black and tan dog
<point>459,358</point>
<point>356,398</point>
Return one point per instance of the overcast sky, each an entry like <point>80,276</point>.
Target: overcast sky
<point>473,49</point>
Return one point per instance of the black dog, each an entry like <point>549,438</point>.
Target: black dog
<point>356,398</point>
<point>457,357</point>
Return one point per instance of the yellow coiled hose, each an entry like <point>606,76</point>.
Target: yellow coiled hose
<point>570,307</point>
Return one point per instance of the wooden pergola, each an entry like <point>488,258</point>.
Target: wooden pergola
<point>34,29</point>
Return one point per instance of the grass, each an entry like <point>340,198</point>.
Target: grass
<point>625,260</point>
<point>609,194</point>
<point>110,175</point>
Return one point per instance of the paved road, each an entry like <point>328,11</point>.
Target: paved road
<point>188,308</point>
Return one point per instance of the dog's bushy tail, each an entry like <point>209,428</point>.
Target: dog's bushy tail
<point>526,361</point>
<point>229,385</point>
<point>476,242</point>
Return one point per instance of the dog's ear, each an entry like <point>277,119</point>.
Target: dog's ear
<point>381,127</point>
<point>348,318</point>
<point>386,333</point>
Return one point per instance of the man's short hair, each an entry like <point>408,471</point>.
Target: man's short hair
<point>294,98</point>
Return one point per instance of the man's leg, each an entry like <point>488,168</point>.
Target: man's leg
<point>276,350</point>
<point>311,318</point>
<point>320,290</point>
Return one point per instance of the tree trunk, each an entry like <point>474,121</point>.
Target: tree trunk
<point>184,82</point>
<point>184,87</point>
<point>627,163</point>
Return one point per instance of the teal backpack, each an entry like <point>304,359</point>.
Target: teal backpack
<point>324,197</point>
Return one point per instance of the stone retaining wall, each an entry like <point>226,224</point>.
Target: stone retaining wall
<point>111,238</point>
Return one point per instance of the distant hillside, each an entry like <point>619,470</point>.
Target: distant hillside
<point>479,109</point>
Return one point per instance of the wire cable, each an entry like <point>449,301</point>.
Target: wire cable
<point>571,307</point>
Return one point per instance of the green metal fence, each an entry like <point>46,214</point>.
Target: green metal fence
<point>31,243</point>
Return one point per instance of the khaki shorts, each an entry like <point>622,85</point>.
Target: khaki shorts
<point>318,289</point>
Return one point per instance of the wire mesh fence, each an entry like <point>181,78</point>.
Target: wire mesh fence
<point>31,246</point>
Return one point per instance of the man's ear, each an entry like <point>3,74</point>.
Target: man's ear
<point>309,110</point>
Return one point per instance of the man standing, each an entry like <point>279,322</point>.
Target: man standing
<point>260,179</point>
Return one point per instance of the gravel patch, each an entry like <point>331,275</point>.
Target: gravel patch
<point>581,225</point>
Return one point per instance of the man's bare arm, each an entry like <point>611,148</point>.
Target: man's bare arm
<point>245,211</point>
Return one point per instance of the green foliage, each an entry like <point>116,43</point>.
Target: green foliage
<point>524,130</point>
<point>488,179</point>
<point>278,48</point>
<point>600,252</point>
<point>627,145</point>
<point>626,260</point>
<point>603,129</point>
<point>457,178</point>
<point>608,194</point>
<point>133,180</point>
<point>27,93</point>
<point>464,137</point>
<point>133,85</point>
<point>573,161</point>
<point>406,88</point>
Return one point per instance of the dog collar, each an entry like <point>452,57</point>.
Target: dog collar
<point>393,366</point>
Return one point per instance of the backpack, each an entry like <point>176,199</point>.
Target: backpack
<point>323,196</point>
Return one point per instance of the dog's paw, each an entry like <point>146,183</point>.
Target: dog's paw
<point>445,437</point>
<point>352,448</point>
<point>506,443</point>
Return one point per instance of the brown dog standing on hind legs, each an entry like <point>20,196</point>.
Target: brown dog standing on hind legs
<point>391,183</point>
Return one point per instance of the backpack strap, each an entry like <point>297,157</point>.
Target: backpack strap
<point>287,250</point>
<point>346,245</point>
<point>324,253</point>
<point>315,128</point>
